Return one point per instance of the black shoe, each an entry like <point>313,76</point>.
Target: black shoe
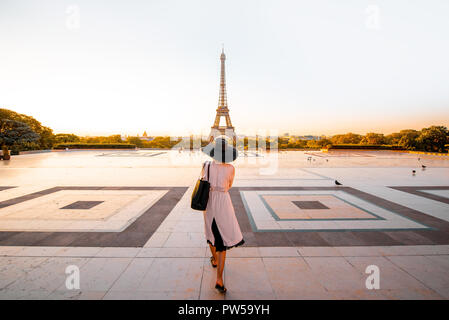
<point>221,289</point>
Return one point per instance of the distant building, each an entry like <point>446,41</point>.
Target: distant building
<point>309,137</point>
<point>145,137</point>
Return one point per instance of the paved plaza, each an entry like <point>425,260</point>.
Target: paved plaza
<point>124,219</point>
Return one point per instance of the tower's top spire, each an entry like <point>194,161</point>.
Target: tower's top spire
<point>222,56</point>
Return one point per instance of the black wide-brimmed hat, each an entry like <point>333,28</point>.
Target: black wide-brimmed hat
<point>220,150</point>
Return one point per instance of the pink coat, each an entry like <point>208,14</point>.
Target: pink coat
<point>219,206</point>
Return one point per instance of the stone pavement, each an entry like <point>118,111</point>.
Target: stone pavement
<point>123,218</point>
<point>164,272</point>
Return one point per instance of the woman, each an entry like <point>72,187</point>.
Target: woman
<point>221,226</point>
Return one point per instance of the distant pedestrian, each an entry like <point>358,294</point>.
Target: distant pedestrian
<point>221,226</point>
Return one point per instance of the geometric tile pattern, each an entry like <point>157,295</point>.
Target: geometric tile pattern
<point>138,217</point>
<point>390,224</point>
<point>438,193</point>
<point>117,209</point>
<point>313,207</point>
<point>344,212</point>
<point>431,230</point>
<point>84,205</point>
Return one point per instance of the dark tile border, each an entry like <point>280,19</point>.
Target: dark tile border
<point>276,217</point>
<point>415,191</point>
<point>439,234</point>
<point>83,205</point>
<point>135,235</point>
<point>5,188</point>
<point>138,233</point>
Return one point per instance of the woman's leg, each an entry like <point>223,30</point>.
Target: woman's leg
<point>221,262</point>
<point>214,254</point>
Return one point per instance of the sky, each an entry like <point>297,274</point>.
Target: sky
<point>302,67</point>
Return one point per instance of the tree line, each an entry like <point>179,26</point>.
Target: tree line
<point>22,132</point>
<point>431,139</point>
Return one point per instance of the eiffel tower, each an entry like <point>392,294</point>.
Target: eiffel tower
<point>222,110</point>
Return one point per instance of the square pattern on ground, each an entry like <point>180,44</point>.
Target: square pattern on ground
<point>126,216</point>
<point>390,223</point>
<point>275,210</point>
<point>63,210</point>
<point>310,207</point>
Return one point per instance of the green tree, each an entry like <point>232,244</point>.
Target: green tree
<point>348,138</point>
<point>116,138</point>
<point>65,138</point>
<point>373,139</point>
<point>311,144</point>
<point>13,133</point>
<point>408,139</point>
<point>135,140</point>
<point>324,142</point>
<point>318,143</point>
<point>393,138</point>
<point>45,140</point>
<point>45,134</point>
<point>433,138</point>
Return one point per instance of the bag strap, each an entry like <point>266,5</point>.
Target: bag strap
<point>208,170</point>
